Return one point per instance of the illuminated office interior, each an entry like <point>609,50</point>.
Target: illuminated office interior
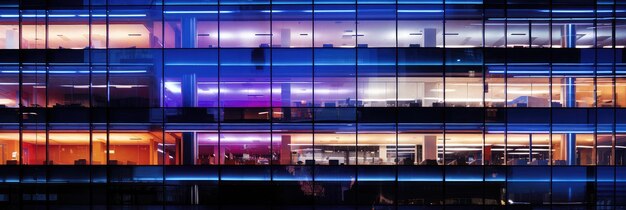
<point>367,104</point>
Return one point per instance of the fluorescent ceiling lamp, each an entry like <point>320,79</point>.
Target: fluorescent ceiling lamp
<point>197,12</point>
<point>331,11</point>
<point>420,11</point>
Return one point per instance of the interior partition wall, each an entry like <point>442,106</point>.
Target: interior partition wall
<point>312,104</point>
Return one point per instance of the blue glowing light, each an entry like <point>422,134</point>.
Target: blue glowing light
<point>332,11</point>
<point>73,72</point>
<point>189,178</point>
<point>539,72</point>
<point>420,11</point>
<point>561,179</point>
<point>581,11</point>
<point>197,12</point>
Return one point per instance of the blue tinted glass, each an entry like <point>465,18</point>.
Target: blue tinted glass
<point>464,174</point>
<point>301,173</point>
<point>420,1</point>
<point>245,174</point>
<point>195,68</point>
<point>375,174</point>
<point>420,174</point>
<point>190,174</point>
<point>292,2</point>
<point>334,174</point>
<point>334,2</point>
<point>464,1</point>
<point>243,2</point>
<point>570,184</point>
<point>376,1</point>
<point>190,2</point>
<point>135,2</point>
<point>245,77</point>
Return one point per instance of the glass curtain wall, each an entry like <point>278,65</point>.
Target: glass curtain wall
<point>523,99</point>
<point>294,83</point>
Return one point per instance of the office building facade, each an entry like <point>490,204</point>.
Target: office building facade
<point>312,104</point>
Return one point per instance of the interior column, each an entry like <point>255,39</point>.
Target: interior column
<point>285,99</point>
<point>429,148</point>
<point>568,40</point>
<point>430,37</point>
<point>285,149</point>
<point>190,99</point>
<point>285,37</point>
<point>11,41</point>
<point>189,38</point>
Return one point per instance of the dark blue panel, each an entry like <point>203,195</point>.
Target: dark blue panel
<point>464,174</point>
<point>335,173</point>
<point>376,174</point>
<point>194,174</point>
<point>191,2</point>
<point>253,173</point>
<point>420,174</point>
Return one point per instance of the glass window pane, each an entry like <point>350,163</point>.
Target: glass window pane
<point>335,77</point>
<point>464,26</point>
<point>190,27</point>
<point>9,29</point>
<point>135,27</point>
<point>247,26</point>
<point>376,26</point>
<point>335,26</point>
<point>420,26</point>
<point>292,26</point>
<point>66,30</point>
<point>245,77</point>
<point>376,71</point>
<point>292,77</point>
<point>191,78</point>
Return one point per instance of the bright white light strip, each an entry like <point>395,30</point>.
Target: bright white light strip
<point>331,10</point>
<point>522,145</point>
<point>61,15</point>
<point>441,90</point>
<point>462,145</point>
<point>72,72</point>
<point>16,83</point>
<point>528,92</point>
<point>115,15</point>
<point>458,99</point>
<point>173,87</point>
<point>81,15</point>
<point>461,149</point>
<point>501,149</point>
<point>419,11</point>
<point>5,101</point>
<point>331,144</point>
<point>538,150</point>
<point>196,12</point>
<point>272,11</point>
<point>521,153</point>
<point>125,15</point>
<point>581,11</point>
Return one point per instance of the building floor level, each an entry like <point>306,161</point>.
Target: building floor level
<point>312,104</point>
